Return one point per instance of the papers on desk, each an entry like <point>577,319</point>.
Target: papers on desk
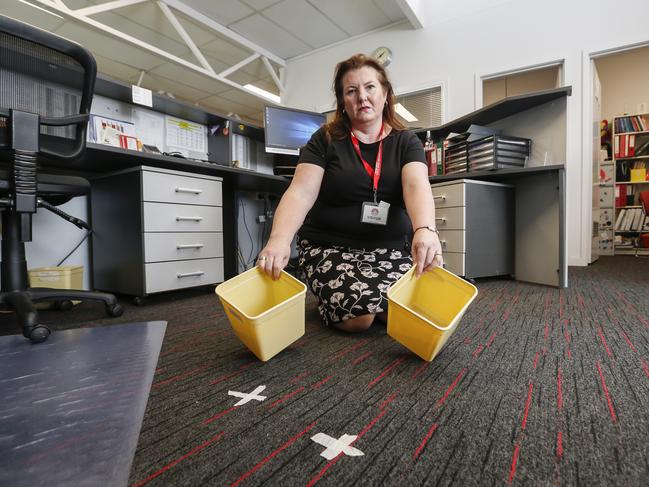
<point>116,133</point>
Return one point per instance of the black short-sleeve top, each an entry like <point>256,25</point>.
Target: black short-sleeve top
<point>335,218</point>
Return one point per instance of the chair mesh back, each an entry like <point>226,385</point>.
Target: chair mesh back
<point>36,79</point>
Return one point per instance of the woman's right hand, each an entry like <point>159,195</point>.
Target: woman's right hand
<point>274,257</point>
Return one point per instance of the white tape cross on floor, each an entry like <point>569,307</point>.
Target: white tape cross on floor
<point>248,397</point>
<point>335,446</point>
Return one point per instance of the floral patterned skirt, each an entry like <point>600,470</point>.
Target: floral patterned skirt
<point>350,282</point>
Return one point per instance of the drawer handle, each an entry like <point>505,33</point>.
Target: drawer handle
<point>189,190</point>
<point>190,274</point>
<point>440,219</point>
<point>190,218</point>
<point>189,246</point>
<point>443,242</point>
<point>440,197</point>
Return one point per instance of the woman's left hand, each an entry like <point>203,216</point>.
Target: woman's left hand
<point>426,251</point>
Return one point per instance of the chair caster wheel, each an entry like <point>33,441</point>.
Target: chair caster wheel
<point>114,310</point>
<point>65,305</point>
<point>138,301</point>
<point>39,333</point>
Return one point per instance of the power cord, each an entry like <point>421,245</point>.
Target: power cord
<point>67,217</point>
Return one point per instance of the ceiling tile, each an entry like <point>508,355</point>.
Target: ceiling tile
<point>179,90</point>
<point>355,17</point>
<point>226,105</point>
<point>170,43</point>
<point>224,52</point>
<point>242,77</point>
<point>391,9</point>
<point>75,4</point>
<point>260,4</point>
<point>265,33</point>
<point>317,32</point>
<point>31,15</point>
<point>224,11</point>
<point>117,70</point>
<point>108,46</point>
<point>180,74</point>
<point>237,96</point>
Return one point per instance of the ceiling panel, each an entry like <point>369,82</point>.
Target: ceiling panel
<point>224,51</point>
<point>223,11</point>
<point>25,13</point>
<point>181,91</point>
<point>224,104</point>
<point>173,44</point>
<point>391,9</point>
<point>108,46</point>
<point>237,96</point>
<point>75,4</point>
<point>117,70</point>
<point>151,17</point>
<point>265,33</point>
<point>188,77</point>
<point>355,17</point>
<point>317,32</point>
<point>260,4</point>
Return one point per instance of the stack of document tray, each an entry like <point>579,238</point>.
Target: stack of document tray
<point>498,152</point>
<point>455,155</point>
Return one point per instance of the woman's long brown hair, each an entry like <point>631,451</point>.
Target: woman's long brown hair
<point>340,126</point>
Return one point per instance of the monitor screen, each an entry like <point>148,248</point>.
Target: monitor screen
<point>287,130</point>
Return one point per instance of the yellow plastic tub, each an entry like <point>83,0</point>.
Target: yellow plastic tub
<point>423,313</point>
<point>266,315</point>
<point>62,277</point>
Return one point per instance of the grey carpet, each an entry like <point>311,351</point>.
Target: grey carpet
<point>538,386</point>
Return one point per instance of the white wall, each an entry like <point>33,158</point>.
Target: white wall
<point>460,47</point>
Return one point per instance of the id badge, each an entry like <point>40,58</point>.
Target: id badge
<point>375,213</point>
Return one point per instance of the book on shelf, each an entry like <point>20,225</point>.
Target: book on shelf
<point>630,220</point>
<point>632,123</point>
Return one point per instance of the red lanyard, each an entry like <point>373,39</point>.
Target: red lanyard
<point>375,173</point>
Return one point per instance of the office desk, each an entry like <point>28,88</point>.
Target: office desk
<point>540,220</point>
<point>99,160</point>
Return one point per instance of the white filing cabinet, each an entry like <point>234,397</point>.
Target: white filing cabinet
<point>156,230</point>
<point>475,220</point>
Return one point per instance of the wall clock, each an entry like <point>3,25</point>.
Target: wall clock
<point>383,55</point>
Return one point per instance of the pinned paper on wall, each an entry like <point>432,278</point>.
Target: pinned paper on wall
<point>185,135</point>
<point>142,96</point>
<point>149,127</point>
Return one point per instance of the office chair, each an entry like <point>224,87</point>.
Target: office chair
<point>46,88</point>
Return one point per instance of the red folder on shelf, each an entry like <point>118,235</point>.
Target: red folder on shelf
<point>620,195</point>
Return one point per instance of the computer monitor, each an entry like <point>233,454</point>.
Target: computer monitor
<point>287,129</point>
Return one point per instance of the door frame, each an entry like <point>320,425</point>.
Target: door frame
<point>588,63</point>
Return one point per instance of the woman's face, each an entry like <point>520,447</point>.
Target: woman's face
<point>363,95</point>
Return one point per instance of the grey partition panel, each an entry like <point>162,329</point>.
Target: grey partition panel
<point>539,248</point>
<point>72,407</point>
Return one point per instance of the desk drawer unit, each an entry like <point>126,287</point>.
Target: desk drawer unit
<point>162,247</point>
<point>156,230</point>
<point>476,227</point>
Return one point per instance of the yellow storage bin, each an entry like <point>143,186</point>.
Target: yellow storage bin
<point>424,312</point>
<point>62,277</point>
<point>266,315</point>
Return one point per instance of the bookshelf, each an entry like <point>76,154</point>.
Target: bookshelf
<point>631,170</point>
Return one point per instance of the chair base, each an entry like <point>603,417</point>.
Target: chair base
<point>22,302</point>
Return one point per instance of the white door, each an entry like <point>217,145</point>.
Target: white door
<point>597,116</point>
